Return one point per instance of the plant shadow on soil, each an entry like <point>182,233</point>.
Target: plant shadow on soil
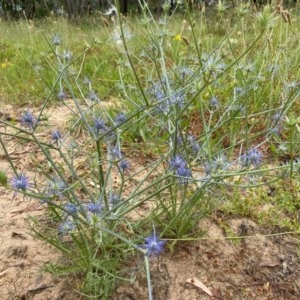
<point>258,265</point>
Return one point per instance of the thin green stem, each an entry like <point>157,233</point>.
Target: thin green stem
<point>101,174</point>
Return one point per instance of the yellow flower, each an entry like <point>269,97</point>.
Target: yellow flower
<point>177,37</point>
<point>5,64</point>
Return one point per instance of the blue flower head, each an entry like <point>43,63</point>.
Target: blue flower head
<point>184,71</point>
<point>124,165</point>
<point>218,164</point>
<point>177,98</point>
<point>185,174</point>
<point>153,245</point>
<point>61,95</point>
<point>56,187</point>
<point>99,125</point>
<point>114,152</point>
<point>214,102</point>
<point>28,119</point>
<point>87,80</point>
<point>194,144</point>
<point>238,90</point>
<point>179,141</point>
<point>56,39</point>
<point>67,227</point>
<point>277,117</point>
<point>177,162</point>
<point>114,198</point>
<point>20,182</point>
<point>71,208</point>
<point>67,55</point>
<point>251,157</point>
<point>120,118</point>
<point>94,208</point>
<point>93,96</point>
<point>56,136</point>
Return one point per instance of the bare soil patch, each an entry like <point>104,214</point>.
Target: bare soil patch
<point>255,267</point>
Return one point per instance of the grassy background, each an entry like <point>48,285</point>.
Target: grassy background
<point>23,46</point>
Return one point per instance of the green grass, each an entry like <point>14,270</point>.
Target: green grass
<point>24,46</point>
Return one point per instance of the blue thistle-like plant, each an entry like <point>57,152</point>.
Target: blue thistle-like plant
<point>93,96</point>
<point>56,39</point>
<point>179,166</point>
<point>66,227</point>
<point>56,187</point>
<point>94,208</point>
<point>99,125</point>
<point>61,95</point>
<point>56,136</point>
<point>214,102</point>
<point>177,162</point>
<point>71,208</point>
<point>153,245</point>
<point>185,175</point>
<point>67,55</point>
<point>184,71</point>
<point>194,144</point>
<point>114,151</point>
<point>114,198</point>
<point>218,164</point>
<point>177,98</point>
<point>120,118</point>
<point>20,182</point>
<point>251,157</point>
<point>28,119</point>
<point>124,165</point>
